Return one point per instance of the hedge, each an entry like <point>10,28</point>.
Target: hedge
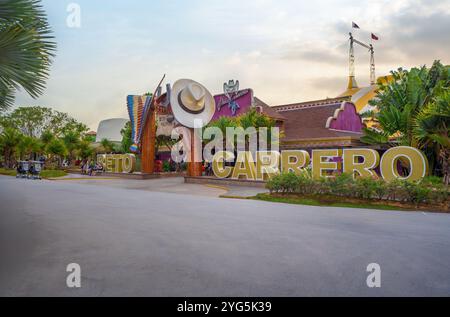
<point>430,190</point>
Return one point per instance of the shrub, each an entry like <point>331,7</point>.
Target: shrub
<point>166,167</point>
<point>394,190</point>
<point>365,187</point>
<point>432,181</point>
<point>415,192</point>
<point>380,189</point>
<point>274,184</point>
<point>429,190</point>
<point>439,194</point>
<point>341,185</point>
<point>289,183</point>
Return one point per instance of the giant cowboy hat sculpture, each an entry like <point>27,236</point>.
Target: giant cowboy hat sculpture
<point>191,102</point>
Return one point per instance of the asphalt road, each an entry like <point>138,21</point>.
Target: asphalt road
<point>142,243</point>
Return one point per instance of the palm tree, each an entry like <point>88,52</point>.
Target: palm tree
<point>432,133</point>
<point>57,149</point>
<point>400,103</point>
<point>9,140</point>
<point>26,146</point>
<point>85,150</point>
<point>258,121</point>
<point>46,137</point>
<point>71,140</point>
<point>26,49</point>
<point>222,124</point>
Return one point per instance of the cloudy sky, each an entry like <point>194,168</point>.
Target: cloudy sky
<point>286,50</point>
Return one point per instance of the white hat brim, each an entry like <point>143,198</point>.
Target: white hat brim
<point>185,118</point>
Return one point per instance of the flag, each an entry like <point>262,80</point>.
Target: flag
<point>374,37</point>
<point>355,26</point>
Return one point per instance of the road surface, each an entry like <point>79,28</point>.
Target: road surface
<point>133,242</point>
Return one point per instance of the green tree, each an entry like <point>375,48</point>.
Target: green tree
<point>222,124</point>
<point>126,138</point>
<point>46,138</point>
<point>28,146</point>
<point>431,131</point>
<point>9,139</point>
<point>85,150</point>
<point>33,121</point>
<point>107,146</point>
<point>57,149</point>
<point>400,103</point>
<point>71,141</point>
<point>26,49</point>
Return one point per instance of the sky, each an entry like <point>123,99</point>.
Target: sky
<point>287,51</point>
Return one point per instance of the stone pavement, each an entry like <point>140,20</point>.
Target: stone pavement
<point>166,185</point>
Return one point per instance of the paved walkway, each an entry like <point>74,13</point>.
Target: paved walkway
<point>166,185</point>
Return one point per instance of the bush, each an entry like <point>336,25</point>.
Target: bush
<point>439,194</point>
<point>166,167</point>
<point>340,185</point>
<point>430,190</point>
<point>274,184</point>
<point>415,192</point>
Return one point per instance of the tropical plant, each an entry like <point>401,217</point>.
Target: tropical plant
<point>33,121</point>
<point>126,133</point>
<point>28,146</point>
<point>429,190</point>
<point>57,149</point>
<point>9,139</point>
<point>26,49</point>
<point>107,146</point>
<point>71,141</point>
<point>46,137</point>
<point>431,129</point>
<point>412,110</point>
<point>85,150</point>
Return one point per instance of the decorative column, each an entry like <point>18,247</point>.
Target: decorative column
<point>148,145</point>
<point>194,169</point>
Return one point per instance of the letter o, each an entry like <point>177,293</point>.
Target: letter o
<point>128,163</point>
<point>418,163</point>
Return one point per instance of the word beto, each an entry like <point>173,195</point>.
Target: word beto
<point>117,163</point>
<point>358,162</point>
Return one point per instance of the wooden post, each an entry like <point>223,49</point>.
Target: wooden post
<point>148,145</point>
<point>195,169</point>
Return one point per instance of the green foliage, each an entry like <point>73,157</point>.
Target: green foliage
<point>166,167</point>
<point>57,148</point>
<point>428,191</point>
<point>53,173</point>
<point>126,138</point>
<point>9,139</point>
<point>26,49</point>
<point>107,146</point>
<point>250,119</point>
<point>85,150</point>
<point>29,132</point>
<point>34,121</point>
<point>414,110</point>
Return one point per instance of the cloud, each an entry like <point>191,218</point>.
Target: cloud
<point>286,50</point>
<point>317,55</point>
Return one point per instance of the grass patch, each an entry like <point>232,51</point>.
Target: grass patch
<point>329,201</point>
<point>53,173</point>
<point>7,172</point>
<point>44,174</point>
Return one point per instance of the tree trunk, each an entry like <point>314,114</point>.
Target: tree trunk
<point>445,154</point>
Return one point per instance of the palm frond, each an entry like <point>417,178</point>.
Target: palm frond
<point>26,49</point>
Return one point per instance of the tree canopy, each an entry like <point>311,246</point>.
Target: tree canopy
<point>413,110</point>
